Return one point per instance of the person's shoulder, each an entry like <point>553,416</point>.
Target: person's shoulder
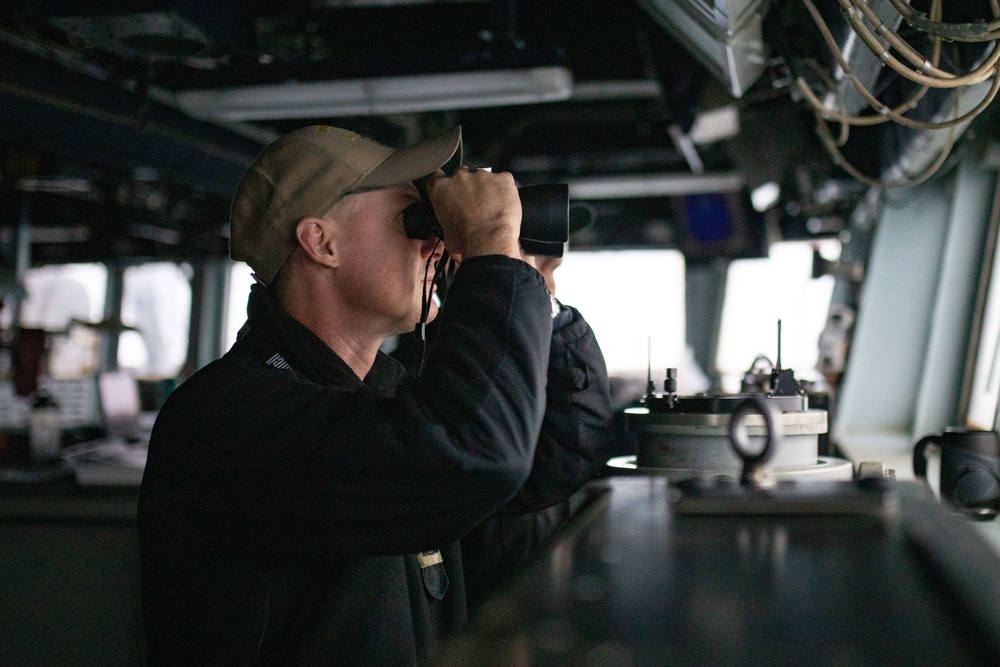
<point>230,370</point>
<point>569,325</point>
<point>230,385</point>
<point>215,373</point>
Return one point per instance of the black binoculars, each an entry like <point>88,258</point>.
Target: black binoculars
<point>544,219</point>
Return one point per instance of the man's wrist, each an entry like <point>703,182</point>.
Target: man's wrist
<point>496,241</point>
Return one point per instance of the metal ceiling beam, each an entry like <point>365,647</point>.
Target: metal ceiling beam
<point>55,110</point>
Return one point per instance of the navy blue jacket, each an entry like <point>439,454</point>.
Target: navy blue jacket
<point>286,502</point>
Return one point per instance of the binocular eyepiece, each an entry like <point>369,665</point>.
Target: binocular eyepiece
<point>544,219</point>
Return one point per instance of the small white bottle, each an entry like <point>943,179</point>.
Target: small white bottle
<point>44,429</point>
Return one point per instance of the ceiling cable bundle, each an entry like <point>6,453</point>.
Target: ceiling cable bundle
<point>912,65</point>
<point>955,32</point>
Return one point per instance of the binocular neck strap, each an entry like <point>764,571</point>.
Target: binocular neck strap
<point>426,294</point>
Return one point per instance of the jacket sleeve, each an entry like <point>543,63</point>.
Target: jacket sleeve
<point>578,434</point>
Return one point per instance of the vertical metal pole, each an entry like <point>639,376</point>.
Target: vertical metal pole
<point>22,253</point>
<point>209,285</point>
<point>705,292</point>
<point>108,350</point>
<point>212,308</point>
<point>979,310</point>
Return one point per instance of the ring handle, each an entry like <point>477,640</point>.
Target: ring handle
<point>739,438</point>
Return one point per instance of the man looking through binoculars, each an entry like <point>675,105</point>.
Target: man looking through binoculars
<point>304,495</point>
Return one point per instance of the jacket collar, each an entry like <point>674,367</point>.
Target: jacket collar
<point>307,354</point>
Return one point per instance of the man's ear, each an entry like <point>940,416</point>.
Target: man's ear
<point>316,238</point>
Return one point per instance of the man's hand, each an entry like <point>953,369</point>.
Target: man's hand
<point>479,211</point>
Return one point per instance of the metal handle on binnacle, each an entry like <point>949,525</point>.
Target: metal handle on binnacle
<point>753,462</point>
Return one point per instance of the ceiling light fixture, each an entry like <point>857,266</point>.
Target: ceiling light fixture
<point>385,95</point>
<point>654,185</point>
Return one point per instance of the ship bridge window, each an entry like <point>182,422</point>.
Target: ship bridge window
<point>156,304</point>
<point>240,280</point>
<point>759,292</point>
<point>634,302</point>
<point>56,296</point>
<point>60,293</point>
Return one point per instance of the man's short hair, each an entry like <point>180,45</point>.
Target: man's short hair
<point>305,172</point>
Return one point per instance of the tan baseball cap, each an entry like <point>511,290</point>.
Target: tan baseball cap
<point>305,172</point>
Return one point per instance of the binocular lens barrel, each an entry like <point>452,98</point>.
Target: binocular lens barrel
<point>544,219</point>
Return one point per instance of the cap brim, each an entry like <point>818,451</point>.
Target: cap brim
<point>413,162</point>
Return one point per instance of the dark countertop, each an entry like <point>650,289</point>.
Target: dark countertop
<point>70,583</point>
<point>648,575</point>
<point>64,500</point>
